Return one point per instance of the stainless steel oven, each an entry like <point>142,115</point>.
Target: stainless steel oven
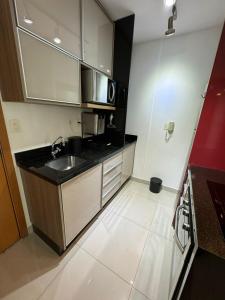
<point>185,241</point>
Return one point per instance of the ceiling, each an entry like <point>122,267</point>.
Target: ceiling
<point>152,15</point>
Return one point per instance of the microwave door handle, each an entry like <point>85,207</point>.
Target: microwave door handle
<point>114,91</point>
<point>176,237</point>
<point>111,92</point>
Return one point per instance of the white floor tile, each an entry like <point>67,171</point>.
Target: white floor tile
<point>140,210</point>
<point>136,295</point>
<point>86,279</point>
<point>125,254</point>
<point>133,205</point>
<point>28,267</point>
<point>88,232</point>
<point>118,244</point>
<point>165,197</point>
<point>120,202</point>
<point>153,274</point>
<point>162,222</point>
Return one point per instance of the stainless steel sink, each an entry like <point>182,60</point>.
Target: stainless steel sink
<point>65,163</point>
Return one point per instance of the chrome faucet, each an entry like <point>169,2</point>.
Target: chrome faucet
<point>57,149</point>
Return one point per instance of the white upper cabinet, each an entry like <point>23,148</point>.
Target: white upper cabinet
<point>56,21</point>
<point>49,74</point>
<point>98,37</point>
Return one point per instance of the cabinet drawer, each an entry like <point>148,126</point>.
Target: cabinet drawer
<point>111,185</point>
<point>107,178</point>
<point>112,163</point>
<point>110,194</point>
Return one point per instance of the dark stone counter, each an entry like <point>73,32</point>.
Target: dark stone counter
<point>93,152</point>
<point>209,232</point>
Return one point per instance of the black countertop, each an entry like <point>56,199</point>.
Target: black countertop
<point>209,232</point>
<point>94,153</point>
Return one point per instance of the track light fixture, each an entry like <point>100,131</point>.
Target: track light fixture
<point>171,30</point>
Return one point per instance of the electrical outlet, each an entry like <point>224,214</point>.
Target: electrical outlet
<point>14,125</point>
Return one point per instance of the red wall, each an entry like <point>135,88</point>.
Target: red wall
<point>209,144</point>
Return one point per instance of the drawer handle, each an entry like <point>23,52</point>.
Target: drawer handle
<point>111,179</point>
<point>108,171</point>
<point>106,194</point>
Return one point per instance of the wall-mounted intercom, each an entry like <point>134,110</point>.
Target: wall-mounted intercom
<point>169,127</point>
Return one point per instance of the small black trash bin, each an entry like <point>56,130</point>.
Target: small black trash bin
<point>155,185</point>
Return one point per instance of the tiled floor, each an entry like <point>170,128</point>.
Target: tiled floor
<point>125,254</point>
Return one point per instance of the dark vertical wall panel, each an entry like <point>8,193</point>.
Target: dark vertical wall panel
<point>124,29</point>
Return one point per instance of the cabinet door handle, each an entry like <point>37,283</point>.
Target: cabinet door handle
<point>113,167</point>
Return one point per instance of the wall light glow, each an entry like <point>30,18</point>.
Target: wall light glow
<point>170,2</point>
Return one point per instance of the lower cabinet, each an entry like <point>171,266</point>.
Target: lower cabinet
<point>81,201</point>
<point>59,212</point>
<point>128,162</point>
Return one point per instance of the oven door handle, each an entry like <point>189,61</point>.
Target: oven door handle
<point>176,237</point>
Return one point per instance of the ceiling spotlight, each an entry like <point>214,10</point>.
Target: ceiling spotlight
<point>27,20</point>
<point>171,30</point>
<point>57,40</point>
<point>170,3</point>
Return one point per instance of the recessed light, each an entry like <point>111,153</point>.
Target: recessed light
<point>169,3</point>
<point>101,66</point>
<point>57,40</point>
<point>108,71</point>
<point>28,21</point>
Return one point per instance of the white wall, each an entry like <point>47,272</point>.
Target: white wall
<point>168,77</point>
<point>38,125</point>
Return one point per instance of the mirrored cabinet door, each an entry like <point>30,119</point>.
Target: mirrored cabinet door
<point>56,21</point>
<point>98,37</point>
<point>49,74</point>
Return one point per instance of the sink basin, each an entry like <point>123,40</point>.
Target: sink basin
<point>65,163</point>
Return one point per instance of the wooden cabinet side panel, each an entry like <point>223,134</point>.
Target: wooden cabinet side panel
<point>10,75</point>
<point>44,205</point>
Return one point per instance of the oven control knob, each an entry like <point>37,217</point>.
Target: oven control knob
<point>186,213</point>
<point>186,227</point>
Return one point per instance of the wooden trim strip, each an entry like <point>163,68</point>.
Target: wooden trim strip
<point>10,75</point>
<point>11,177</point>
<point>97,106</point>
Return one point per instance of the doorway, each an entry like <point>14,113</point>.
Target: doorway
<point>9,232</point>
<point>12,220</point>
